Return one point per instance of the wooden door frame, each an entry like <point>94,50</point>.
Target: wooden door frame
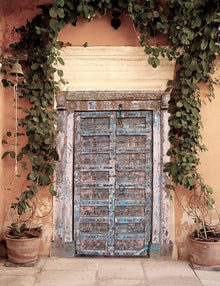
<point>63,244</point>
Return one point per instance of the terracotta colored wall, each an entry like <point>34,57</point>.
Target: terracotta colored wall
<point>1,116</point>
<point>97,33</point>
<point>16,14</point>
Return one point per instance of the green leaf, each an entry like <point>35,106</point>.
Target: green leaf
<point>212,46</point>
<point>51,190</point>
<point>32,176</point>
<point>22,227</point>
<point>179,104</point>
<point>19,157</point>
<point>59,45</point>
<point>47,141</point>
<point>170,187</point>
<point>54,24</point>
<point>35,187</point>
<point>12,154</point>
<point>60,73</point>
<point>53,12</point>
<point>61,61</point>
<point>34,66</point>
<point>60,13</point>
<point>5,154</point>
<point>60,2</point>
<point>209,189</point>
<point>8,134</point>
<point>204,44</point>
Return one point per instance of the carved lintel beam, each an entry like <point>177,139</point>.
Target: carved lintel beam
<point>164,100</point>
<point>71,105</point>
<point>61,100</point>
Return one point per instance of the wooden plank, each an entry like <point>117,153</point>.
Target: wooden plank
<point>112,189</point>
<point>112,105</point>
<point>148,177</point>
<point>106,96</point>
<point>60,166</point>
<point>77,181</point>
<point>68,202</point>
<point>156,215</point>
<point>165,196</point>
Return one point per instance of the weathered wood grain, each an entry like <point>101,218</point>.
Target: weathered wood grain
<point>120,207</point>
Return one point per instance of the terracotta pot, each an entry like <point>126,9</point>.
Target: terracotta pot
<point>204,253</point>
<point>24,250</point>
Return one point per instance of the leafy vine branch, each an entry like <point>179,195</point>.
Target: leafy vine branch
<point>191,28</point>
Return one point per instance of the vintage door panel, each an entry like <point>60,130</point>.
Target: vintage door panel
<point>129,194</point>
<point>113,182</point>
<point>94,194</point>
<point>95,124</point>
<point>129,244</point>
<point>97,211</point>
<point>94,176</point>
<point>129,211</point>
<point>130,161</point>
<point>95,159</point>
<point>93,227</point>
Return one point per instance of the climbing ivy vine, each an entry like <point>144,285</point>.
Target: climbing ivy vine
<point>191,28</point>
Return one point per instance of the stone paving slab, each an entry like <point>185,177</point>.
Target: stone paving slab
<point>170,272</point>
<point>122,282</point>
<point>66,278</point>
<point>209,278</point>
<point>78,264</point>
<point>17,280</point>
<point>163,268</point>
<point>22,271</point>
<point>174,281</point>
<point>122,269</point>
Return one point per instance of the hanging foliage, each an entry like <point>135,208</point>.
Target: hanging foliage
<point>191,27</point>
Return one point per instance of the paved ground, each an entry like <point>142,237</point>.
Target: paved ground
<point>106,272</point>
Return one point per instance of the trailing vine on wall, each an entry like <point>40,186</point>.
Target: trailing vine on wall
<point>191,27</point>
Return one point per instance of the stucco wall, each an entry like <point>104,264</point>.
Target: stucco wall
<point>1,113</point>
<point>210,166</point>
<point>97,33</point>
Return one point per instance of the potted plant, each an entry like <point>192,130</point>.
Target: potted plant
<point>204,241</point>
<point>23,237</point>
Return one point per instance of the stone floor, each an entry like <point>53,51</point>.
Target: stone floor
<point>106,272</point>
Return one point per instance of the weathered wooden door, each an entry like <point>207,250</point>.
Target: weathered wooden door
<point>113,182</point>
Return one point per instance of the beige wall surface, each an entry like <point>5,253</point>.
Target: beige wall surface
<point>97,33</point>
<point>113,68</point>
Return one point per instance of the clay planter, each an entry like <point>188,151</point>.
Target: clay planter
<point>204,253</point>
<point>24,250</point>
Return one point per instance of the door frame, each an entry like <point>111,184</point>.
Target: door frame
<point>70,101</point>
